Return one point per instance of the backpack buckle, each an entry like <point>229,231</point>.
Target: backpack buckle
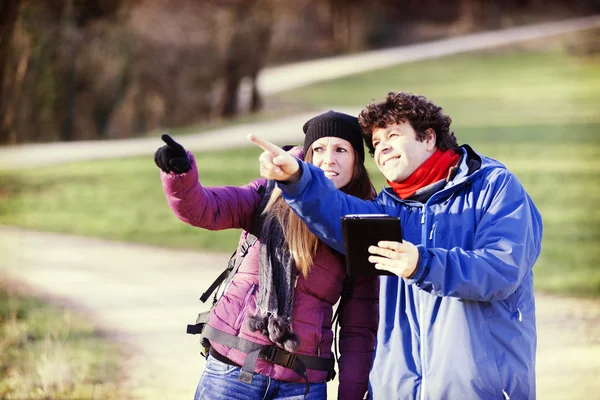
<point>269,354</point>
<point>279,356</point>
<point>205,343</point>
<point>291,360</point>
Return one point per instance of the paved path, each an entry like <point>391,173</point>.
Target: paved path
<point>286,77</point>
<point>281,78</point>
<point>32,155</point>
<point>147,296</point>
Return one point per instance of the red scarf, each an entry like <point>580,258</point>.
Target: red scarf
<point>435,168</point>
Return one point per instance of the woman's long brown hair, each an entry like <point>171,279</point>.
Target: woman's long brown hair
<point>302,243</point>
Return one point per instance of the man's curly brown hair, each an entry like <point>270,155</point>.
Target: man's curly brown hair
<point>400,107</point>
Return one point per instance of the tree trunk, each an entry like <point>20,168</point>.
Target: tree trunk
<point>68,124</point>
<point>256,102</point>
<point>9,12</point>
<point>107,106</point>
<point>467,13</point>
<point>140,123</point>
<point>232,88</point>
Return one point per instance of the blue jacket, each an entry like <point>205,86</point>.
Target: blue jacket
<point>463,327</point>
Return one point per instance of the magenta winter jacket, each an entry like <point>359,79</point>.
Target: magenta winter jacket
<point>232,207</point>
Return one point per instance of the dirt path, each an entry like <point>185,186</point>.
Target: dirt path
<point>146,296</point>
<point>142,295</point>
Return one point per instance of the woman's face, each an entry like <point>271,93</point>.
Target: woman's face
<point>335,156</point>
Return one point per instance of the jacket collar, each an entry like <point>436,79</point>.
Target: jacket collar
<point>470,165</point>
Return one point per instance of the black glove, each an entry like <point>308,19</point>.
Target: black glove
<point>172,157</point>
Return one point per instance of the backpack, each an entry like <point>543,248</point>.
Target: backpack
<point>276,355</point>
<point>232,267</point>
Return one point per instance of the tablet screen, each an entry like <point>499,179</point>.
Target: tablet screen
<point>363,230</point>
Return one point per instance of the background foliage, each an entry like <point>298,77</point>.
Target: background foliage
<point>72,69</point>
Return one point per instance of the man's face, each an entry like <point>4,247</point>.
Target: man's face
<point>398,153</point>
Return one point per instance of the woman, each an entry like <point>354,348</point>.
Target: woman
<point>271,331</point>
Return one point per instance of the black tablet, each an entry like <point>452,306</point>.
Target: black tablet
<point>363,230</point>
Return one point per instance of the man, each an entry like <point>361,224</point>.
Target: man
<point>458,321</point>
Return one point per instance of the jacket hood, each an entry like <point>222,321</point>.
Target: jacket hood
<point>472,164</point>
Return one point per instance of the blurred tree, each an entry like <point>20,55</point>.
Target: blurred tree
<point>103,74</point>
<point>9,11</point>
<point>247,50</point>
<point>42,74</point>
<point>96,50</point>
<point>74,69</point>
<point>176,63</point>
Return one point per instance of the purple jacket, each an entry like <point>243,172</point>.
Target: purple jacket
<point>233,207</point>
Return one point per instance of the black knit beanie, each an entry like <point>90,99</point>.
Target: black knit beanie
<point>334,124</point>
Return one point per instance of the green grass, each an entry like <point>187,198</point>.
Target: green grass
<point>47,353</point>
<point>480,89</point>
<point>118,199</point>
<point>538,112</point>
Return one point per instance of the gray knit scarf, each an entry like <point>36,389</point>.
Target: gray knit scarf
<point>276,279</point>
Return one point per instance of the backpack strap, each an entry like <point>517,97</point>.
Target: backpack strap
<point>238,255</point>
<point>232,267</point>
<point>234,263</point>
<point>299,363</point>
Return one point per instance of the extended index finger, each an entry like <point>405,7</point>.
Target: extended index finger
<point>266,145</point>
<point>170,142</point>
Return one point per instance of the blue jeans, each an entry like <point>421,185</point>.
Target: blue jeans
<point>220,381</point>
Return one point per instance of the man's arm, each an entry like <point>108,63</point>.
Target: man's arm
<point>320,205</point>
<point>310,194</point>
<point>507,244</point>
<point>275,163</point>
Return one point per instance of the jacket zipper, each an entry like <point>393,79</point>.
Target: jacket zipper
<point>421,295</point>
<point>239,318</point>
<point>422,318</point>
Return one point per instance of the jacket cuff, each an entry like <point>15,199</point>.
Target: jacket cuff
<point>293,189</point>
<point>175,180</point>
<point>422,267</point>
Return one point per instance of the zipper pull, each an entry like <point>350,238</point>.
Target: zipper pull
<point>432,230</point>
<point>296,283</point>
